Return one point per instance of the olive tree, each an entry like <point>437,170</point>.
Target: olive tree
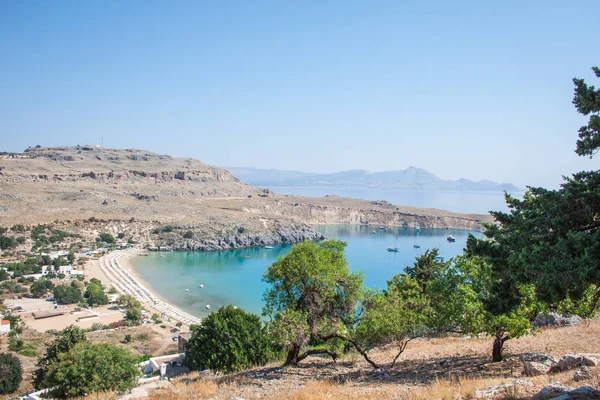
<point>11,373</point>
<point>312,294</point>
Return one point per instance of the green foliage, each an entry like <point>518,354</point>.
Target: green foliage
<point>314,291</point>
<point>585,307</point>
<point>128,300</point>
<point>17,228</point>
<point>89,368</point>
<point>67,339</point>
<point>134,315</point>
<point>587,101</point>
<point>94,294</point>
<point>229,340</point>
<point>67,294</point>
<point>188,235</point>
<point>11,373</point>
<point>168,228</point>
<point>106,238</point>
<point>41,287</point>
<point>7,242</point>
<point>3,275</point>
<point>426,267</point>
<point>12,287</point>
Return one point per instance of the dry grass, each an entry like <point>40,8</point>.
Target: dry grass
<point>450,368</point>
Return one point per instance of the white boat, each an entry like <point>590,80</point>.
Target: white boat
<point>201,286</point>
<point>392,249</point>
<point>208,306</point>
<point>268,247</point>
<point>187,290</point>
<point>374,232</point>
<point>451,238</point>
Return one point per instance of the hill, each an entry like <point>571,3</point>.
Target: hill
<point>411,178</point>
<point>139,193</point>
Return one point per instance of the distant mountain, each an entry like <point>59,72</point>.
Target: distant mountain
<point>411,178</point>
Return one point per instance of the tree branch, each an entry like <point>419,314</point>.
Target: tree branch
<point>307,353</point>
<point>403,345</point>
<point>353,343</point>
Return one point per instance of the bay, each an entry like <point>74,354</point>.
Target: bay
<point>234,276</point>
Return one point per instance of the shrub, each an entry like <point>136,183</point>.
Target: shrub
<point>11,373</point>
<point>106,238</point>
<point>188,235</point>
<point>114,369</point>
<point>229,340</point>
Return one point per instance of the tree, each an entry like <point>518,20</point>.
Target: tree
<point>229,340</point>
<point>7,242</point>
<point>11,373</point>
<point>587,101</point>
<point>3,275</point>
<point>95,295</point>
<point>550,238</point>
<point>396,316</point>
<point>128,300</point>
<point>312,292</point>
<point>426,267</point>
<point>134,315</point>
<point>67,294</point>
<point>463,301</point>
<point>114,369</point>
<point>66,340</point>
<point>106,238</point>
<point>40,287</point>
<point>188,235</point>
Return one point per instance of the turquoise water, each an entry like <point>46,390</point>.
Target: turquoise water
<point>234,276</point>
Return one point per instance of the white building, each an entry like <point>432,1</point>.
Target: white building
<point>4,327</point>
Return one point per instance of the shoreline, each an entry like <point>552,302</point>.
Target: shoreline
<point>124,279</point>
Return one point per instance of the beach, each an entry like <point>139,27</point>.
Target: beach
<point>117,270</point>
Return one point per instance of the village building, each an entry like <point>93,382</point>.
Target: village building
<point>4,327</point>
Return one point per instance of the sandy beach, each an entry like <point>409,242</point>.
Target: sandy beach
<point>118,271</point>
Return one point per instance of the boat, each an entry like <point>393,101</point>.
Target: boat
<point>187,290</point>
<point>201,286</point>
<point>269,247</point>
<point>382,228</point>
<point>374,232</point>
<point>392,249</point>
<point>208,306</point>
<point>451,238</point>
<point>417,246</point>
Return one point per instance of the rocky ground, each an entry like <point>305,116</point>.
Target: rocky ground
<point>141,192</point>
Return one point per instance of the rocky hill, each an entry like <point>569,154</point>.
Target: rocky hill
<point>43,185</point>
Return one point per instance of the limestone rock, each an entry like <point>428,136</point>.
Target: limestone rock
<point>551,391</point>
<point>583,374</point>
<point>556,320</point>
<point>532,368</point>
<point>500,390</point>
<point>572,361</point>
<point>535,364</point>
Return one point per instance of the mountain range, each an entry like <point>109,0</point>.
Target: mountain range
<point>412,178</point>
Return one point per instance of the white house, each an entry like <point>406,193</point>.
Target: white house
<point>4,327</point>
<point>65,269</point>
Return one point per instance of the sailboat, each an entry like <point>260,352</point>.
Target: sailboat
<point>395,248</point>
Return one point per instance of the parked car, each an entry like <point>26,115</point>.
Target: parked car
<point>175,338</point>
<point>18,308</point>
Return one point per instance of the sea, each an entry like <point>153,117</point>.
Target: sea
<point>235,276</point>
<point>467,202</point>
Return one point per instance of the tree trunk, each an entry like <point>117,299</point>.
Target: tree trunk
<point>292,357</point>
<point>499,340</point>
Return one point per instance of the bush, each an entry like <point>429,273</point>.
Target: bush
<point>11,373</point>
<point>7,242</point>
<point>229,340</point>
<point>188,235</point>
<point>168,228</point>
<point>106,238</point>
<point>41,287</point>
<point>114,369</point>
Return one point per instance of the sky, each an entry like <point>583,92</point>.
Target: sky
<point>473,89</point>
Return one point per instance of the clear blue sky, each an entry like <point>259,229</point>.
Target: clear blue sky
<point>473,89</point>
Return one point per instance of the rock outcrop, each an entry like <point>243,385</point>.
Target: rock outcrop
<point>555,320</point>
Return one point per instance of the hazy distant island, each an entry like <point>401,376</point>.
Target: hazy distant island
<point>412,178</point>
